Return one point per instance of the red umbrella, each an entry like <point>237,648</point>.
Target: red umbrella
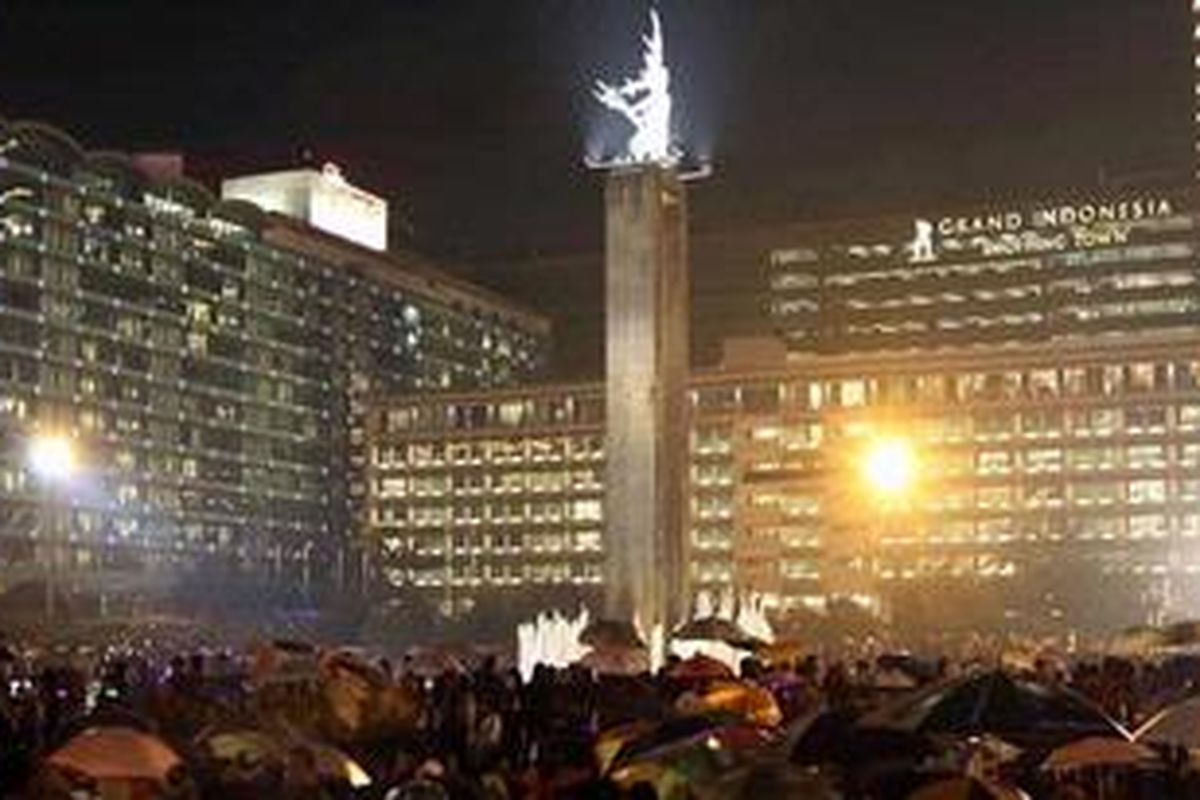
<point>116,754</point>
<point>701,668</point>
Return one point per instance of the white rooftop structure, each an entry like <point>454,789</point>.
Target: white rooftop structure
<point>323,199</point>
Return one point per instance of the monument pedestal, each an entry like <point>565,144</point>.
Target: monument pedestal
<point>646,445</point>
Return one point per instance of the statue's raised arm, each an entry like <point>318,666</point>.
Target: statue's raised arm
<point>613,98</point>
<point>645,101</point>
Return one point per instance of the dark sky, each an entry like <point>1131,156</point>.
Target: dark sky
<point>471,114</point>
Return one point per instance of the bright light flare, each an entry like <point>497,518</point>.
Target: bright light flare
<point>890,467</point>
<point>52,457</point>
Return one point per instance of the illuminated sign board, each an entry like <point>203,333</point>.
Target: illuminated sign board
<point>1044,229</point>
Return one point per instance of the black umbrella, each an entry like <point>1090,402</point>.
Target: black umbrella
<point>293,646</point>
<point>671,730</point>
<point>777,781</point>
<point>1182,634</point>
<point>833,737</point>
<point>716,629</point>
<point>1026,713</point>
<point>610,633</point>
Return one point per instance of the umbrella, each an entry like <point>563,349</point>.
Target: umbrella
<point>610,633</point>
<point>832,738</point>
<point>112,715</point>
<point>894,680</point>
<point>783,652</point>
<point>294,647</point>
<point>990,751</point>
<point>337,766</point>
<point>670,731</point>
<point>761,781</point>
<point>284,660</point>
<point>716,629</point>
<point>1020,711</point>
<point>610,741</point>
<point>1182,634</point>
<point>116,754</point>
<point>916,669</point>
<point>1099,751</point>
<point>1139,640</point>
<point>616,661</point>
<point>700,668</point>
<point>242,746</point>
<point>751,703</point>
<point>344,661</point>
<point>1178,725</point>
<point>964,788</point>
<point>432,662</point>
<point>697,759</point>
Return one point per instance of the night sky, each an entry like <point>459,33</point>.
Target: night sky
<point>471,116</point>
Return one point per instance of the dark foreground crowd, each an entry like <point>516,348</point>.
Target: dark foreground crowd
<point>255,727</point>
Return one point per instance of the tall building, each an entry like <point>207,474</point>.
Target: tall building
<point>209,358</point>
<point>1050,395</point>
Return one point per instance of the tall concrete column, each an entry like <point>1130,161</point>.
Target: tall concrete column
<point>646,442</point>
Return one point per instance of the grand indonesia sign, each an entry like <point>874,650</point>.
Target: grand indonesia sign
<point>1042,229</point>
<point>1056,217</point>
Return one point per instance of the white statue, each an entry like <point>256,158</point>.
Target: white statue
<point>921,248</point>
<point>646,102</point>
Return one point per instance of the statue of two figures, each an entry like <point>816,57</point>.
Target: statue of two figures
<point>645,101</point>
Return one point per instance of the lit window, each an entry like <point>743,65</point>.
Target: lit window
<point>853,393</point>
<point>1147,491</point>
<point>1044,460</point>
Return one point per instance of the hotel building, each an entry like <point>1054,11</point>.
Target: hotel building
<point>210,358</point>
<point>1043,362</point>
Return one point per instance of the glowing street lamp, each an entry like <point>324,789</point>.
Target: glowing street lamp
<point>52,457</point>
<point>890,471</point>
<point>890,467</point>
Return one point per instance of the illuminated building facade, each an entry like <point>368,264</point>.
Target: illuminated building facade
<point>1103,265</point>
<point>1057,482</point>
<point>1044,364</point>
<point>210,359</point>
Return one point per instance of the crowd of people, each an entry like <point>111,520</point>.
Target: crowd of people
<point>300,724</point>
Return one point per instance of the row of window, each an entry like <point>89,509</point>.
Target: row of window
<point>481,513</point>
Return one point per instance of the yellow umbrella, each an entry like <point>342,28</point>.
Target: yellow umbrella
<point>333,763</point>
<point>610,742</point>
<point>243,745</point>
<point>752,703</point>
<point>785,651</point>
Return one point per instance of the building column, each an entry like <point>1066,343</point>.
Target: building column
<point>646,445</point>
